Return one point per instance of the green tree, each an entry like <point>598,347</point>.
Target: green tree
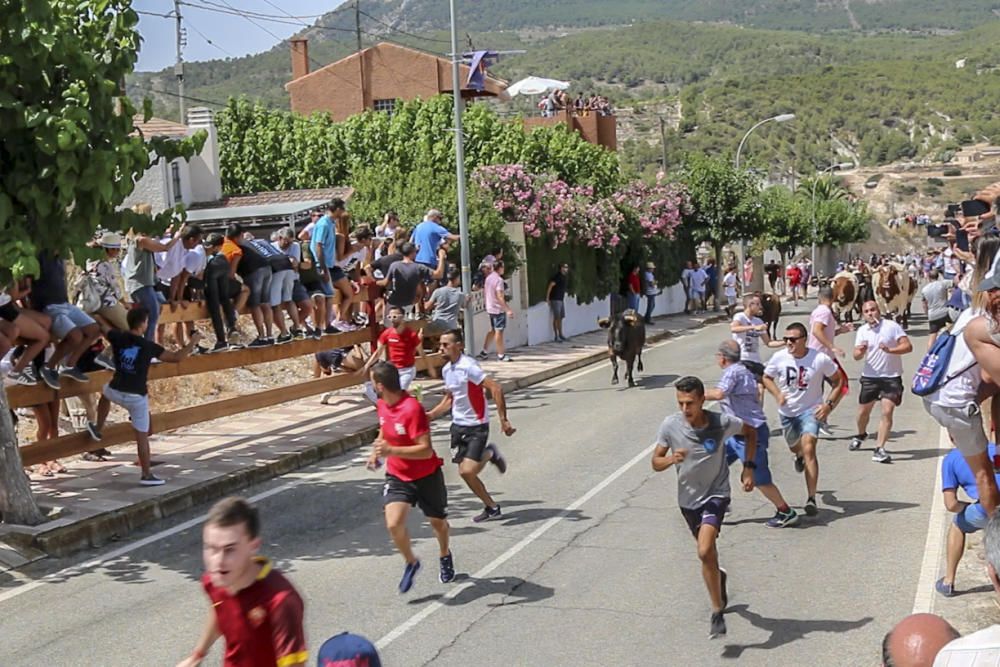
<point>70,153</point>
<point>786,222</point>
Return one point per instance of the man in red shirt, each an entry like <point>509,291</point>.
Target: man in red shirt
<point>401,345</point>
<point>255,608</point>
<point>412,471</point>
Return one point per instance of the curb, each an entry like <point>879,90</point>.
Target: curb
<point>110,526</point>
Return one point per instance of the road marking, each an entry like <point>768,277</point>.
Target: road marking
<point>419,617</point>
<point>923,600</point>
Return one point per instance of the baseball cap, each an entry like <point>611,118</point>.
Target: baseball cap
<point>347,650</point>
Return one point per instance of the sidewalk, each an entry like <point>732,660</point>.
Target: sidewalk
<point>99,502</point>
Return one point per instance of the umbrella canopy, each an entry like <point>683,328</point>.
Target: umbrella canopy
<point>534,85</point>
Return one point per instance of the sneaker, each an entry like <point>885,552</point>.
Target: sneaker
<point>783,519</point>
<point>93,432</point>
<point>298,334</point>
<point>447,569</point>
<point>151,480</point>
<point>316,334</point>
<point>258,342</point>
<point>800,464</point>
<point>283,338</point>
<point>488,514</point>
<point>483,355</point>
<point>269,340</point>
<point>497,458</point>
<point>200,349</point>
<point>723,576</point>
<point>856,442</point>
<point>331,330</point>
<point>73,373</point>
<point>361,319</point>
<point>106,360</point>
<point>219,347</point>
<point>811,508</point>
<point>236,346</point>
<point>881,456</point>
<point>504,357</point>
<point>26,377</point>
<point>345,326</point>
<point>947,590</point>
<point>718,626</point>
<point>50,377</point>
<point>825,429</point>
<point>406,583</point>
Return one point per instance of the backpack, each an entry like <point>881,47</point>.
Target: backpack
<point>88,293</point>
<point>932,373</point>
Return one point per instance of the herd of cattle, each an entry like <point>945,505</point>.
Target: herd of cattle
<point>889,285</point>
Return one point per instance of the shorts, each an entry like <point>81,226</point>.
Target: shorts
<point>972,519</point>
<point>756,368</point>
<point>795,427</point>
<point>9,312</point>
<point>336,275</point>
<point>935,326</point>
<point>330,359</point>
<point>469,442</point>
<point>874,389</point>
<point>428,493</point>
<point>498,322</point>
<point>697,295</point>
<point>136,405</point>
<point>736,449</point>
<point>259,283</point>
<point>66,317</point>
<point>709,514</point>
<point>116,316</point>
<point>965,431</point>
<point>235,287</point>
<point>406,377</point>
<point>314,289</point>
<point>326,289</point>
<point>731,299</point>
<point>281,287</point>
<point>558,309</point>
<point>438,327</point>
<point>299,292</point>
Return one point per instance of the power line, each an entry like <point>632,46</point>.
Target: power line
<point>161,16</point>
<point>259,14</point>
<point>202,35</point>
<point>401,32</point>
<point>188,97</point>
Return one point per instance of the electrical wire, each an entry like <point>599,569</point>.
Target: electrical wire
<point>202,35</point>
<point>260,14</point>
<point>188,97</point>
<point>171,15</point>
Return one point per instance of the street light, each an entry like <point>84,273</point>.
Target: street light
<point>832,167</point>
<point>780,118</point>
<point>463,214</point>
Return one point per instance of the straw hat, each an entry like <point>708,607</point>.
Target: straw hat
<point>110,240</point>
<point>650,265</point>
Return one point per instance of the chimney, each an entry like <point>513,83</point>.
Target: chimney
<point>300,58</point>
<point>206,178</point>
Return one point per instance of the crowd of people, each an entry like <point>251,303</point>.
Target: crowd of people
<point>583,105</point>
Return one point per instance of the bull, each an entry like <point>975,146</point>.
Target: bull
<point>770,312</point>
<point>845,293</point>
<point>626,338</point>
<point>891,284</point>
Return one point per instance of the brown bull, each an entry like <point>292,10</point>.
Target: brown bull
<point>770,312</point>
<point>845,294</point>
<point>891,284</point>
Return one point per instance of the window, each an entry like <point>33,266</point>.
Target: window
<point>175,178</point>
<point>387,106</point>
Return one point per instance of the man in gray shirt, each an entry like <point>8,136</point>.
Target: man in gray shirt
<point>447,302</point>
<point>694,441</point>
<point>406,278</point>
<point>935,297</point>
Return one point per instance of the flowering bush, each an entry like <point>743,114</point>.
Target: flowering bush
<point>657,209</point>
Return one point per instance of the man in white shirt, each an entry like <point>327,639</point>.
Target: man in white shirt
<point>794,377</point>
<point>749,331</point>
<point>729,288</point>
<point>698,280</point>
<point>880,343</point>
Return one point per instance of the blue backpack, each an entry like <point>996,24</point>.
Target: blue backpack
<point>932,373</point>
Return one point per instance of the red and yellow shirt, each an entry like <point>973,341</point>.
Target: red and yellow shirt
<point>262,624</point>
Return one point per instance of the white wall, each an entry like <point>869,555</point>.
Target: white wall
<point>151,188</point>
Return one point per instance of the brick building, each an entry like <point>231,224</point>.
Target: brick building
<point>374,78</point>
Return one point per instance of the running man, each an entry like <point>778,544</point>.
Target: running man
<point>881,343</point>
<point>823,330</point>
<point>795,376</point>
<point>464,384</point>
<point>254,607</point>
<point>412,472</point>
<point>401,344</point>
<point>749,330</point>
<point>736,392</point>
<point>691,439</point>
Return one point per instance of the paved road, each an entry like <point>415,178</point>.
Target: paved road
<point>591,565</point>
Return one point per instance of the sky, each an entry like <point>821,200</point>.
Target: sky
<point>232,35</point>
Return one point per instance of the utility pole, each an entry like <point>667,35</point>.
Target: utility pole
<point>357,21</point>
<point>463,214</point>
<point>361,57</point>
<point>663,142</point>
<point>179,67</point>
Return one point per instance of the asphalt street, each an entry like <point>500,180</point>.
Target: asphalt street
<point>591,564</point>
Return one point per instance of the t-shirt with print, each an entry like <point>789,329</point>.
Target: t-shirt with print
<point>880,364</point>
<point>936,295</point>
<point>740,400</point>
<point>401,345</point>
<point>823,315</point>
<point>749,340</point>
<point>704,473</point>
<point>494,283</point>
<point>400,425</point>
<point>463,379</point>
<point>800,380</point>
<point>133,354</point>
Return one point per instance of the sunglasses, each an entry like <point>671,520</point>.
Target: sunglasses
<point>792,339</point>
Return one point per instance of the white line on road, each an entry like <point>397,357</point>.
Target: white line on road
<point>417,618</point>
<point>923,600</point>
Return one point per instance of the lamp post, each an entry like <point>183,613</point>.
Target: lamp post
<point>815,231</point>
<point>463,214</point>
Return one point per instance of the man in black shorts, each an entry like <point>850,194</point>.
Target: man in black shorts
<point>413,471</point>
<point>880,342</point>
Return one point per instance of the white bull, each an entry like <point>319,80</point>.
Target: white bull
<point>891,284</point>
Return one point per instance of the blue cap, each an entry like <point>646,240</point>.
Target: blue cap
<point>347,650</point>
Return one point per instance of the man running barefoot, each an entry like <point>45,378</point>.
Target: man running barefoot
<point>692,439</point>
<point>736,392</point>
<point>464,383</point>
<point>412,471</point>
<point>254,607</point>
<point>794,376</point>
<point>881,343</point>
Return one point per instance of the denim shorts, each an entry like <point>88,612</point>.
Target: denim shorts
<point>66,317</point>
<point>736,450</point>
<point>973,518</point>
<point>498,322</point>
<point>796,427</point>
<point>259,283</point>
<point>299,292</point>
<point>281,287</point>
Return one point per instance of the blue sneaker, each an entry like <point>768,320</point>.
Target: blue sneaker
<point>488,514</point>
<point>447,569</point>
<point>406,583</point>
<point>947,590</point>
<point>496,458</point>
<point>783,519</point>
